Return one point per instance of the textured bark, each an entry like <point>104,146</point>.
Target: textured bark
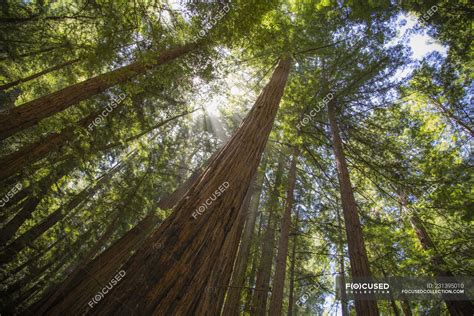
<point>455,308</point>
<point>217,286</point>
<point>355,240</point>
<point>262,284</point>
<point>276,300</point>
<point>253,269</point>
<point>30,113</point>
<point>342,269</point>
<point>172,281</point>
<point>38,74</point>
<point>232,304</point>
<point>81,285</point>
<point>291,294</point>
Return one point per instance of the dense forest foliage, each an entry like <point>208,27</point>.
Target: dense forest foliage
<point>233,158</point>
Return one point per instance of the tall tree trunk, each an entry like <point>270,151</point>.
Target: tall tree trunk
<point>9,230</point>
<point>86,280</point>
<point>342,270</point>
<point>253,269</point>
<point>262,284</point>
<point>291,296</point>
<point>406,308</point>
<point>355,240</point>
<point>232,304</point>
<point>171,281</point>
<point>276,300</point>
<point>219,280</point>
<point>455,308</point>
<point>30,113</point>
<point>38,74</point>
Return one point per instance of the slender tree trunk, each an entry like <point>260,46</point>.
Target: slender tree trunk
<point>10,229</point>
<point>253,270</point>
<point>36,52</point>
<point>29,236</point>
<point>232,304</point>
<point>455,308</point>
<point>46,146</point>
<point>291,296</point>
<point>357,252</point>
<point>262,284</point>
<point>38,74</point>
<point>172,281</point>
<point>82,284</point>
<point>406,308</point>
<point>276,300</point>
<point>342,270</point>
<point>29,262</point>
<point>30,113</point>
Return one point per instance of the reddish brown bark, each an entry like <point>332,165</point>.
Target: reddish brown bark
<point>232,304</point>
<point>87,279</point>
<point>276,300</point>
<point>30,113</point>
<point>262,284</point>
<point>355,240</point>
<point>291,294</point>
<point>172,281</point>
<point>342,269</point>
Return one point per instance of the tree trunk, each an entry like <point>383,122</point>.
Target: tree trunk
<point>172,281</point>
<point>38,74</point>
<point>455,308</point>
<point>406,308</point>
<point>262,284</point>
<point>276,300</point>
<point>342,270</point>
<point>291,295</point>
<point>357,253</point>
<point>253,270</point>
<point>82,284</point>
<point>9,230</point>
<point>46,146</point>
<point>30,113</point>
<point>29,236</point>
<point>232,304</point>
